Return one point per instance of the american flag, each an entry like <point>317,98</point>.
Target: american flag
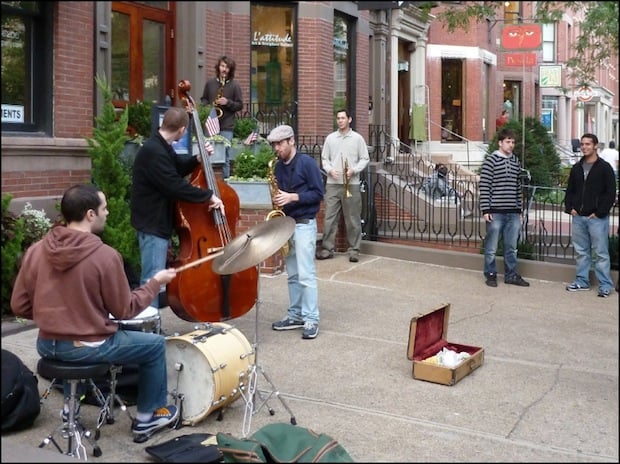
<point>212,123</point>
<point>253,137</point>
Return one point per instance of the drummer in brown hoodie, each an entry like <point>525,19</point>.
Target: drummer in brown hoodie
<point>69,284</point>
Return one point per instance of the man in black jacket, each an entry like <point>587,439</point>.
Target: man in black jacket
<point>158,182</point>
<point>590,195</point>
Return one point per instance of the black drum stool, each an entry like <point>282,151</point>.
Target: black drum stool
<point>75,373</point>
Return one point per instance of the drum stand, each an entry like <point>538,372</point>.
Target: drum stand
<point>254,398</point>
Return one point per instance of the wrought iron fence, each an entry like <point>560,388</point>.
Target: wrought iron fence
<point>396,207</point>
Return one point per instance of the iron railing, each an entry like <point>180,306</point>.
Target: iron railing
<point>396,208</point>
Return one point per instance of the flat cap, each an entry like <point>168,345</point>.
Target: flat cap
<point>280,133</point>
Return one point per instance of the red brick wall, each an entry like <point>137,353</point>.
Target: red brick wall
<point>41,183</point>
<point>74,85</point>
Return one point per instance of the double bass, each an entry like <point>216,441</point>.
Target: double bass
<point>198,294</point>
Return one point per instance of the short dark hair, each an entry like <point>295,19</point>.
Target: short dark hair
<point>441,169</point>
<point>505,133</point>
<point>345,111</point>
<point>77,200</point>
<point>592,137</point>
<point>175,117</point>
<point>612,144</point>
<point>229,62</point>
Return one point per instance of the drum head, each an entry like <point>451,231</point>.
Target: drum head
<point>149,313</point>
<point>208,368</point>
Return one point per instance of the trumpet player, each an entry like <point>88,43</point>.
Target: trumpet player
<point>224,92</point>
<point>344,156</point>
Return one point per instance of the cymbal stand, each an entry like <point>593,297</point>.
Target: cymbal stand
<point>253,397</point>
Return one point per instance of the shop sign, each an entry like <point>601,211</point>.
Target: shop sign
<point>271,39</point>
<point>520,59</point>
<point>585,93</point>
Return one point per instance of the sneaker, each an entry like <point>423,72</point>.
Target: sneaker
<point>287,324</point>
<point>517,280</point>
<point>354,257</point>
<point>491,280</point>
<point>575,287</point>
<point>161,418</point>
<point>604,293</point>
<point>324,254</point>
<point>311,330</point>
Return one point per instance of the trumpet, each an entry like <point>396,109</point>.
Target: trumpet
<point>220,94</point>
<point>345,178</point>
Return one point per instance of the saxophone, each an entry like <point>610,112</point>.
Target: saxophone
<point>220,94</point>
<point>273,191</point>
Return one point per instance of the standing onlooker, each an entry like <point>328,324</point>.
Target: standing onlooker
<point>224,92</point>
<point>610,154</point>
<point>69,284</point>
<point>501,120</point>
<point>501,205</point>
<point>344,147</point>
<point>300,192</point>
<point>158,181</point>
<point>590,195</point>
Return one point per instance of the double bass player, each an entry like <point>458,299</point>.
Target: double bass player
<point>158,181</point>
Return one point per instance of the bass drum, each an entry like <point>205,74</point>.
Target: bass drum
<point>208,369</point>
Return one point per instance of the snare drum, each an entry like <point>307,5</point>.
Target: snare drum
<point>208,368</point>
<point>147,321</point>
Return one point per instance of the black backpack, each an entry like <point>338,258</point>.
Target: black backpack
<point>20,394</point>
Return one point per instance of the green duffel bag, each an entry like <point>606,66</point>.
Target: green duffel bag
<point>282,442</point>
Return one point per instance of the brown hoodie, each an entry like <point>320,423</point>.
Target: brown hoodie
<point>70,282</point>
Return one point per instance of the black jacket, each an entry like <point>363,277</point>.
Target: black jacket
<point>596,194</point>
<point>158,182</point>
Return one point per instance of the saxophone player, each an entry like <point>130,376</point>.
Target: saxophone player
<point>224,92</point>
<point>344,156</point>
<point>299,194</point>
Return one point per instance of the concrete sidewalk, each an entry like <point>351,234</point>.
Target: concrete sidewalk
<point>547,391</point>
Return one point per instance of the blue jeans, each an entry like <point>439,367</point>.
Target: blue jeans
<point>591,243</point>
<point>300,267</point>
<point>226,168</point>
<point>147,350</point>
<point>153,255</point>
<point>508,226</point>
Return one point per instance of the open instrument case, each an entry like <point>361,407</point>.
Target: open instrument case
<point>428,336</point>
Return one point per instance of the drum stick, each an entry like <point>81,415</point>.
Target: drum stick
<point>199,261</point>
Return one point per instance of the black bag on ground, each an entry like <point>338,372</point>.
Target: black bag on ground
<point>21,403</point>
<point>193,447</point>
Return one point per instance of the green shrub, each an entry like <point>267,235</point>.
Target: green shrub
<point>12,238</point>
<point>541,158</point>
<point>243,127</point>
<point>113,176</point>
<point>139,119</point>
<point>251,166</point>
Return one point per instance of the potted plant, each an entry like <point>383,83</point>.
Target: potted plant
<point>250,176</point>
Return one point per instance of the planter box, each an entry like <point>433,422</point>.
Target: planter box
<point>219,155</point>
<point>252,193</point>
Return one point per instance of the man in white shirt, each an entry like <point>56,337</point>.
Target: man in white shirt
<point>610,154</point>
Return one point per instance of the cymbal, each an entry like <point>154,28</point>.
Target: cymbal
<point>255,245</point>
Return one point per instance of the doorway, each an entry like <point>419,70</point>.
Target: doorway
<point>142,59</point>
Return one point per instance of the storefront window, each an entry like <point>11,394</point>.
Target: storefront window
<point>272,85</point>
<point>26,75</point>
